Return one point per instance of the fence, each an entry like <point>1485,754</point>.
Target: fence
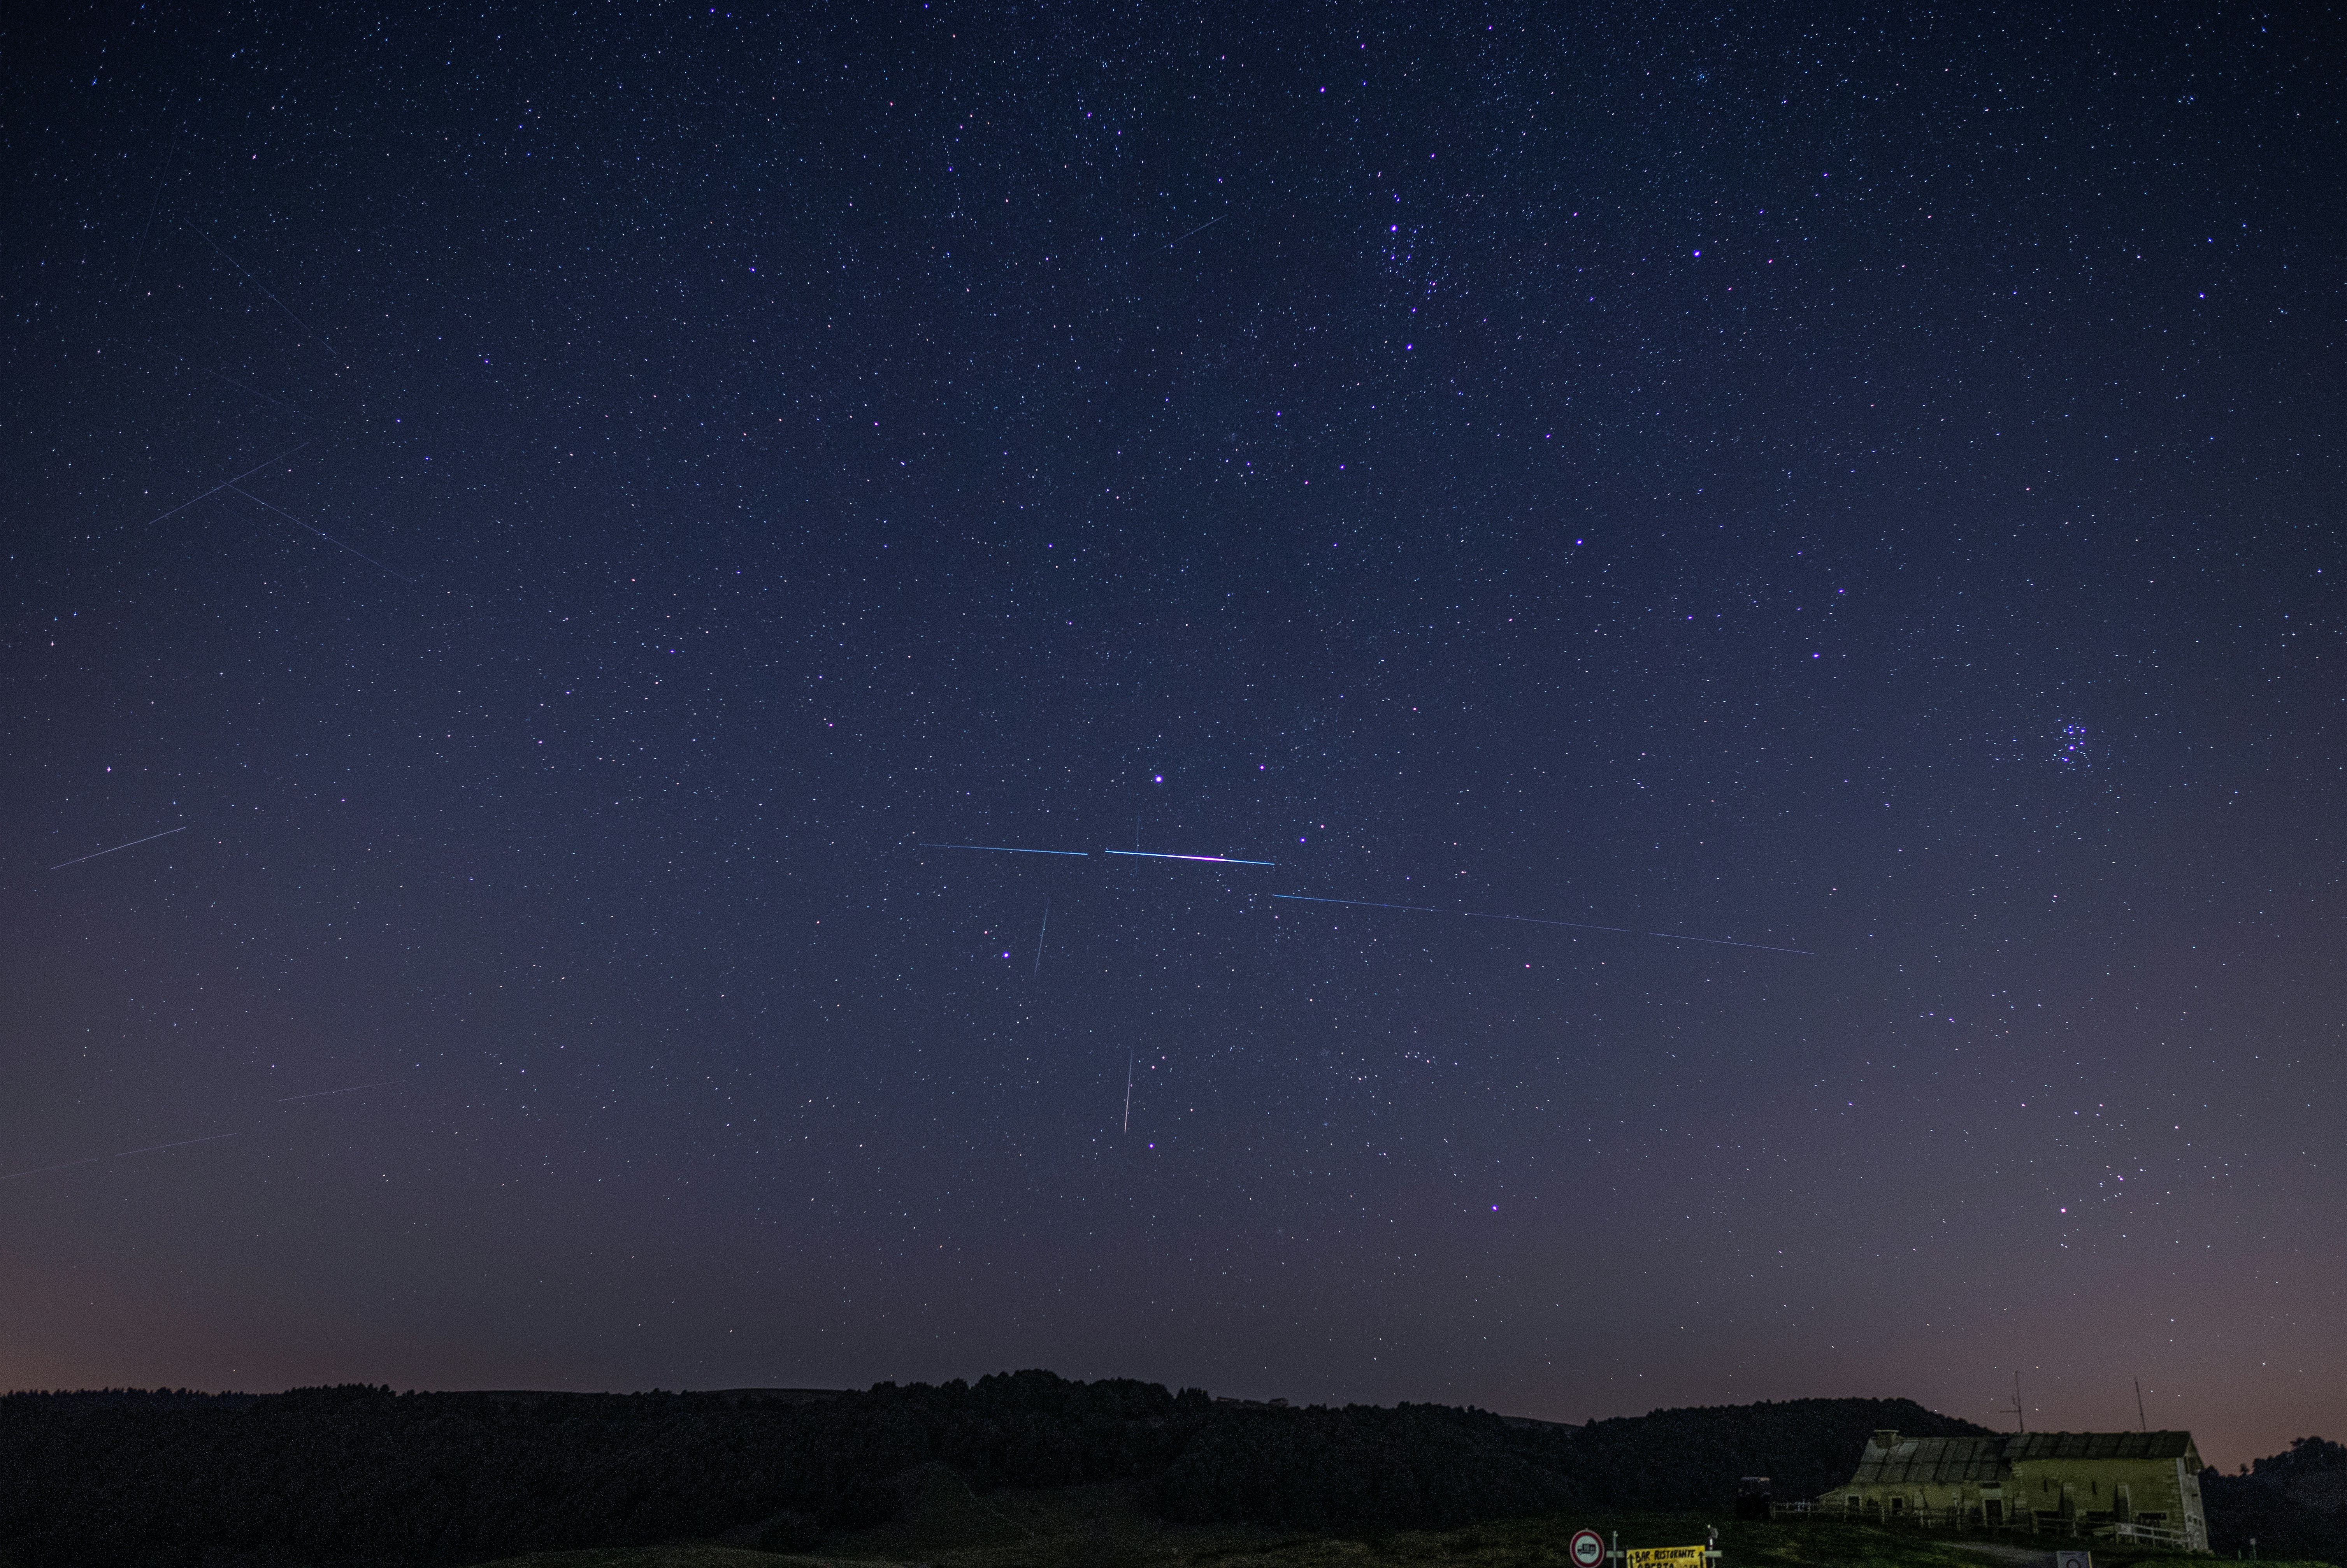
<point>1972,1517</point>
<point>2146,1535</point>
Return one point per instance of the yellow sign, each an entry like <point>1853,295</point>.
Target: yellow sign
<point>1666,1557</point>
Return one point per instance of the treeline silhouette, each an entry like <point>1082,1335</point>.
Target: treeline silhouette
<point>366,1477</point>
<point>2292,1504</point>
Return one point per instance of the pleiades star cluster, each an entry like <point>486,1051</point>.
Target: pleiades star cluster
<point>1682,669</point>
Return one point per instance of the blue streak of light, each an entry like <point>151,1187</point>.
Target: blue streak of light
<point>1006,849</point>
<point>1216,859</point>
<point>1723,942</point>
<point>1536,920</point>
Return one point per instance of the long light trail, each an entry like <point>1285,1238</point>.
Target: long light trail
<point>134,844</point>
<point>1368,902</point>
<point>1210,859</point>
<point>1537,920</point>
<point>1008,849</point>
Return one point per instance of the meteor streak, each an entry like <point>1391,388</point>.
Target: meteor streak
<point>1008,849</point>
<point>319,532</point>
<point>1199,229</point>
<point>1536,920</point>
<point>1723,942</point>
<point>150,1149</point>
<point>257,283</point>
<point>134,844</point>
<point>223,485</point>
<point>1216,859</point>
<point>322,1093</point>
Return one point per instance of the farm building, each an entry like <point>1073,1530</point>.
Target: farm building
<point>2057,1478</point>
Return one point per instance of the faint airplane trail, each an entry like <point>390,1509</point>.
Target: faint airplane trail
<point>95,1159</point>
<point>1007,849</point>
<point>225,483</point>
<point>1723,942</point>
<point>1537,920</point>
<point>134,844</point>
<point>257,283</point>
<point>1216,859</point>
<point>319,532</point>
<point>322,1093</point>
<point>1199,229</point>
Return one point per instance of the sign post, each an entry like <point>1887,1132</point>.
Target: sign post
<point>1668,1557</point>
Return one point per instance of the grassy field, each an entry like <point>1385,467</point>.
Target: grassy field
<point>946,1525</point>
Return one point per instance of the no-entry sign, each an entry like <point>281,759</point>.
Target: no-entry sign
<point>1587,1548</point>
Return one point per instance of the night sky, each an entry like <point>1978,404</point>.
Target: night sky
<point>553,517</point>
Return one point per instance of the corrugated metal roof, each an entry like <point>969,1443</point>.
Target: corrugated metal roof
<point>1944,1460</point>
<point>1930,1459</point>
<point>2026,1445</point>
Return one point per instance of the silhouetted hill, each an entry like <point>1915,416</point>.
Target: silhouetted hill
<point>1690,1458</point>
<point>359,1475</point>
<point>1418,1467</point>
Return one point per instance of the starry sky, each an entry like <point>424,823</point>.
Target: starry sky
<point>1785,562</point>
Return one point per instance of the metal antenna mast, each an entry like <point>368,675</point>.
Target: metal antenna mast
<point>2020,1423</point>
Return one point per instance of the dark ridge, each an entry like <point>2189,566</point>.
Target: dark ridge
<point>1690,1458</point>
<point>138,1399</point>
<point>359,1475</point>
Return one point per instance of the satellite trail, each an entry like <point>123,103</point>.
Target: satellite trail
<point>322,1093</point>
<point>1005,849</point>
<point>257,283</point>
<point>134,844</point>
<point>1723,942</point>
<point>1199,229</point>
<point>1537,920</point>
<point>1216,859</point>
<point>319,532</point>
<point>95,1159</point>
<point>224,483</point>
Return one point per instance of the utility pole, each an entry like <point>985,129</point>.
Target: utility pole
<point>2019,1422</point>
<point>2140,1418</point>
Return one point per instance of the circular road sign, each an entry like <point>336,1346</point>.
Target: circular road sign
<point>1587,1548</point>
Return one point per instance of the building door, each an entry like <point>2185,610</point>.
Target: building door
<point>1994,1508</point>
